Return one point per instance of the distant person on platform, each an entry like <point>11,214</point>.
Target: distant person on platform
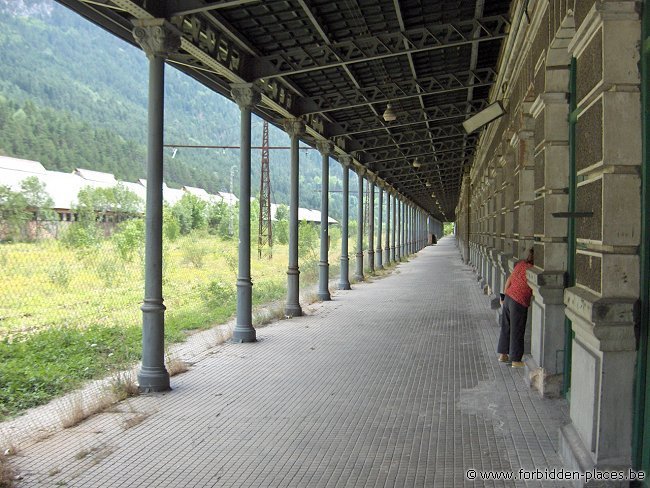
<point>515,301</point>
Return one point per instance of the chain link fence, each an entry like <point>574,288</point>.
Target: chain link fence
<point>70,298</point>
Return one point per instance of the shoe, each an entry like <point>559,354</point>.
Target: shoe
<point>518,364</point>
<point>503,358</point>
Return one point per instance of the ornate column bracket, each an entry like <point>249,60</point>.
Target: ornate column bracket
<point>246,95</point>
<point>345,160</point>
<point>326,148</point>
<point>156,37</point>
<point>294,127</point>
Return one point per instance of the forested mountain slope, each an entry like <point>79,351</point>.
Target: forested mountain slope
<point>73,95</point>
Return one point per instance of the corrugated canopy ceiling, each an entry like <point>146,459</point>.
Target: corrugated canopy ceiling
<point>338,63</point>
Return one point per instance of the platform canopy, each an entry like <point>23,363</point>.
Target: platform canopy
<point>338,64</point>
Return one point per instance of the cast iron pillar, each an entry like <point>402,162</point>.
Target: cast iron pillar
<point>410,242</point>
<point>387,227</point>
<point>380,216</point>
<point>371,223</point>
<point>407,227</point>
<point>404,229</point>
<point>393,246</point>
<point>325,148</point>
<point>295,128</point>
<point>157,38</point>
<point>398,222</point>
<point>358,275</point>
<point>246,95</point>
<point>344,282</point>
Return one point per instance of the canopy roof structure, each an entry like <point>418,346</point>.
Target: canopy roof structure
<point>338,64</point>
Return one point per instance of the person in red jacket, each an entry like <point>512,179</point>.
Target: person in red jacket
<point>515,312</point>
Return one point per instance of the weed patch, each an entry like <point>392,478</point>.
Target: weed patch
<point>71,314</point>
<point>7,474</point>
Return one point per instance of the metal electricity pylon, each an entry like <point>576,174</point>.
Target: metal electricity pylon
<point>265,234</point>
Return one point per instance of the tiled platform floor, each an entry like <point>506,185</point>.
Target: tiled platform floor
<point>393,384</point>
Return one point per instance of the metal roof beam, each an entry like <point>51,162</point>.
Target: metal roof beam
<point>397,90</point>
<point>421,183</point>
<point>412,137</point>
<point>426,168</point>
<point>204,7</point>
<point>390,44</point>
<point>434,114</point>
<point>321,31</point>
<point>415,151</point>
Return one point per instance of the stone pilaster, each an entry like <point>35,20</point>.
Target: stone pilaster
<point>547,278</point>
<point>602,304</point>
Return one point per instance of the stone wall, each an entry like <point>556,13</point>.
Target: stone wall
<point>519,183</point>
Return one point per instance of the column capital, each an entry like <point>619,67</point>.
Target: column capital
<point>361,170</point>
<point>372,178</point>
<point>246,95</point>
<point>325,147</point>
<point>345,160</point>
<point>156,37</point>
<point>294,127</point>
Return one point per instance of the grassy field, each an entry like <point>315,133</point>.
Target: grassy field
<point>68,315</point>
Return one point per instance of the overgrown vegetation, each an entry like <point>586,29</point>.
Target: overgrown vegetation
<point>70,316</point>
<point>7,474</point>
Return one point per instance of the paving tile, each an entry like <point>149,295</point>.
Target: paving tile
<point>392,384</point>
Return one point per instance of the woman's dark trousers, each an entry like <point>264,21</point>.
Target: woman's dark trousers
<point>513,327</point>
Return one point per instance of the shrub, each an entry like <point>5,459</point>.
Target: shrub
<point>107,271</point>
<point>218,292</point>
<point>232,261</point>
<point>171,227</point>
<point>195,253</point>
<point>81,235</point>
<point>129,239</point>
<point>59,275</point>
<point>308,240</point>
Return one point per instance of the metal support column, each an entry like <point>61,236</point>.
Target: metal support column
<point>387,258</point>
<point>325,148</point>
<point>380,214</point>
<point>398,221</point>
<point>393,256</point>
<point>295,128</point>
<point>410,230</point>
<point>403,226</point>
<point>247,96</point>
<point>344,281</point>
<point>358,275</point>
<point>157,38</point>
<point>407,219</point>
<point>371,223</point>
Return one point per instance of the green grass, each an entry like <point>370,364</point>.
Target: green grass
<point>67,317</point>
